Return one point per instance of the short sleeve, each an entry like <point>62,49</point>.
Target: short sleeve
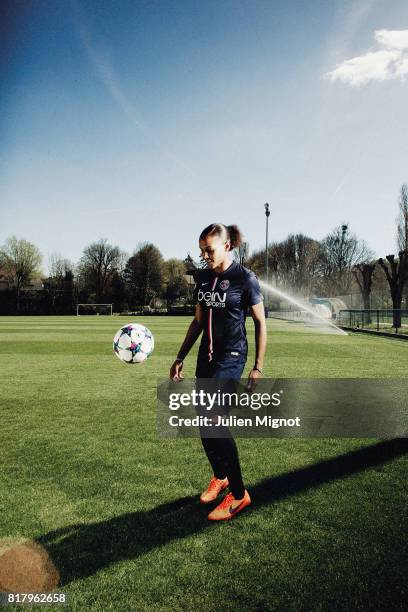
<point>252,290</point>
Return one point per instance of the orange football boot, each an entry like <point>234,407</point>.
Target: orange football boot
<point>214,489</point>
<point>229,507</point>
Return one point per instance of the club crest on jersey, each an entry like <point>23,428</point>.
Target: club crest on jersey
<point>212,299</point>
<point>224,285</point>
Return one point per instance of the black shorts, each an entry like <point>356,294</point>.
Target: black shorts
<point>230,365</point>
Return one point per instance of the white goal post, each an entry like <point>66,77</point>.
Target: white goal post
<point>106,307</point>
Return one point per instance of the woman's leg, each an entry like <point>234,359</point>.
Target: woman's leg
<point>214,456</point>
<point>226,453</point>
<point>222,451</point>
<point>210,445</point>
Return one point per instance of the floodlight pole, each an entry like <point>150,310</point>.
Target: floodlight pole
<point>267,213</point>
<point>344,229</point>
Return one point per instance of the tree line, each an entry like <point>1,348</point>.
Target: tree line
<point>105,274</point>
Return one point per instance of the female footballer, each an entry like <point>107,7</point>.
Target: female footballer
<point>224,292</point>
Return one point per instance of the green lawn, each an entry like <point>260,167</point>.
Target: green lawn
<point>83,473</point>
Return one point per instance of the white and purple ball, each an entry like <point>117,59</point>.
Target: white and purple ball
<point>133,343</point>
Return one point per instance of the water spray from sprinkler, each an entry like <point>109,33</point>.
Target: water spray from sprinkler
<point>287,297</point>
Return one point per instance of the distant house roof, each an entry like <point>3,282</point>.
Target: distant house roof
<point>192,272</point>
<point>36,284</point>
<point>189,276</point>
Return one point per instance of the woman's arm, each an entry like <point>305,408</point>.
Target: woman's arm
<point>194,330</point>
<point>258,315</point>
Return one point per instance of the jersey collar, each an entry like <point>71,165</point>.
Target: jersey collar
<point>228,270</point>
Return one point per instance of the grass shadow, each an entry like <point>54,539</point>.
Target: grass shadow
<point>83,549</point>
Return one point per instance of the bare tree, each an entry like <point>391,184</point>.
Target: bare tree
<point>342,251</point>
<point>396,271</point>
<point>380,290</point>
<point>60,282</point>
<point>174,277</point>
<point>402,219</point>
<point>98,265</point>
<point>276,263</point>
<point>20,261</point>
<point>58,266</point>
<point>402,227</point>
<point>293,263</point>
<point>144,274</point>
<point>256,262</point>
<point>363,273</point>
<point>299,262</point>
<point>241,253</point>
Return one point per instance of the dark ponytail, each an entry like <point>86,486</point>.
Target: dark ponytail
<point>235,236</point>
<point>228,232</point>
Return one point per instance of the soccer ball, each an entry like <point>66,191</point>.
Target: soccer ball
<point>133,343</point>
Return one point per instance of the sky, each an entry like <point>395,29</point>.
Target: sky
<point>147,120</point>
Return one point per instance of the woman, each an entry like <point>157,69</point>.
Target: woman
<point>224,292</point>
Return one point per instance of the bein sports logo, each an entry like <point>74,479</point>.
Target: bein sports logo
<point>212,299</point>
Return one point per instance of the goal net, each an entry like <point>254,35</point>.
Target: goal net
<point>94,309</point>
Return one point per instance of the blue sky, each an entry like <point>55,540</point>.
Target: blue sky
<point>147,120</point>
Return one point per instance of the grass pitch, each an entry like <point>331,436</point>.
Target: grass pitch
<point>84,474</point>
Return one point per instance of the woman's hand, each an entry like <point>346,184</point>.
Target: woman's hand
<point>252,378</point>
<point>175,370</point>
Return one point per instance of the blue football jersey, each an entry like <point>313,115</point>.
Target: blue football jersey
<point>225,299</point>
